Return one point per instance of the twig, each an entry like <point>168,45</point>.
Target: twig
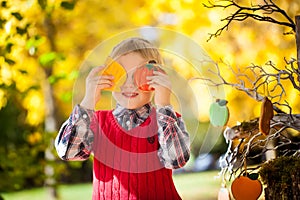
<point>242,13</point>
<point>263,83</point>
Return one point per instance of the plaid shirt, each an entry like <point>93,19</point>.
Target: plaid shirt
<point>75,138</point>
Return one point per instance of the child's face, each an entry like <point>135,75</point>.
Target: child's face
<point>130,96</point>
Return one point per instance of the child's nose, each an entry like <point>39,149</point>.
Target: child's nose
<point>129,83</point>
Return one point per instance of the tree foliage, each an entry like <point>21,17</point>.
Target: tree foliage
<point>43,42</point>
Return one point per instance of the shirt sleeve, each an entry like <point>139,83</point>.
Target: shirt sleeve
<point>174,151</point>
<point>75,137</point>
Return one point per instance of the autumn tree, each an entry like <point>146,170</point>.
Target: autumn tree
<point>28,48</point>
<point>42,44</point>
<point>276,133</point>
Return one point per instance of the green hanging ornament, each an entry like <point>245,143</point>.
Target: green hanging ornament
<point>219,113</point>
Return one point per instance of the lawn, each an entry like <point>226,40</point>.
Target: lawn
<point>192,186</point>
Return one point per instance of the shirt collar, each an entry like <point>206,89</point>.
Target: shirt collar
<point>131,118</point>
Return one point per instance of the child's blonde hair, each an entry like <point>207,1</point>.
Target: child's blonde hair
<point>139,45</point>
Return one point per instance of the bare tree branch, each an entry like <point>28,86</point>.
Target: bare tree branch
<point>243,12</point>
<point>250,139</point>
<point>259,81</point>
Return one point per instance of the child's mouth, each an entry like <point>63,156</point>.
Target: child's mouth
<point>130,94</point>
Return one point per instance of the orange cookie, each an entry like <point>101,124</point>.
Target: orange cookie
<point>115,69</point>
<point>140,75</point>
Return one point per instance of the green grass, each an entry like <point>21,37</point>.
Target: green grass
<point>193,186</point>
<point>65,192</point>
<point>198,186</point>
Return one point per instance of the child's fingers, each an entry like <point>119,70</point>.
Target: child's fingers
<point>102,81</point>
<point>156,83</point>
<point>102,86</point>
<point>159,79</point>
<point>96,70</point>
<point>99,78</point>
<point>160,73</point>
<point>96,83</point>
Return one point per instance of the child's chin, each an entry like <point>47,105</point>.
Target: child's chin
<point>131,107</point>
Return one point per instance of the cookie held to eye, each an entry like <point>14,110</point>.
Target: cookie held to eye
<point>141,73</point>
<point>115,69</point>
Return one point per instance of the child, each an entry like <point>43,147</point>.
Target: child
<point>137,144</point>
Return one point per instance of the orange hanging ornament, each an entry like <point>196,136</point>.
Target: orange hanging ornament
<point>266,114</point>
<point>246,187</point>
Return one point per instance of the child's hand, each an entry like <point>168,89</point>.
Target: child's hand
<point>94,84</point>
<point>162,85</point>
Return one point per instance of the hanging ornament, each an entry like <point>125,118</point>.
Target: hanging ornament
<point>266,114</point>
<point>223,194</point>
<point>246,187</point>
<point>219,113</point>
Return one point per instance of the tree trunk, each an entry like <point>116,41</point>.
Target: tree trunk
<point>50,119</point>
<point>297,21</point>
<point>276,190</point>
<point>280,185</point>
<point>50,127</point>
<point>281,177</point>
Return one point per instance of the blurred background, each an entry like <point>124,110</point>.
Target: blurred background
<point>42,46</point>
